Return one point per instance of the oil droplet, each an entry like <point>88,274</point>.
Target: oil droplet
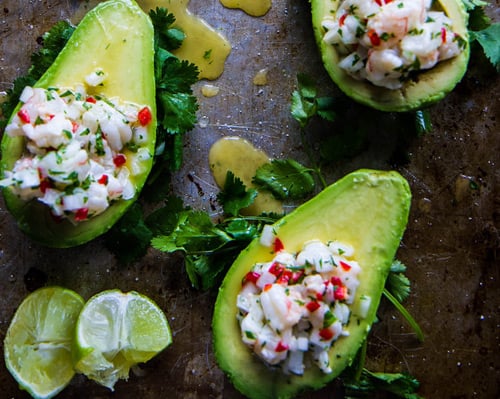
<point>209,90</point>
<point>203,121</point>
<point>243,159</point>
<point>255,8</point>
<point>203,45</point>
<point>260,78</point>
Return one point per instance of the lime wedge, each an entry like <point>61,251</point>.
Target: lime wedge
<point>37,346</point>
<point>115,331</point>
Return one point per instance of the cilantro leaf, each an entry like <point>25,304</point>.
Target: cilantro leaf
<point>471,4</point>
<point>285,178</point>
<point>398,385</point>
<point>397,283</point>
<point>194,233</point>
<point>478,20</point>
<point>423,123</point>
<point>129,238</point>
<point>176,106</point>
<point>209,249</point>
<point>52,43</point>
<point>164,220</point>
<point>326,108</point>
<point>204,271</point>
<point>166,36</point>
<point>489,39</point>
<point>305,104</point>
<point>234,195</point>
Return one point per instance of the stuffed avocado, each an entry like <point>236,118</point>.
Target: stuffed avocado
<point>393,55</point>
<point>361,218</point>
<point>79,146</point>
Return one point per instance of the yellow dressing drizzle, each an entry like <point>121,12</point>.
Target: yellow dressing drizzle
<point>243,159</point>
<point>255,8</point>
<point>203,45</point>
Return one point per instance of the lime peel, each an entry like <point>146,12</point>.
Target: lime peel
<point>116,331</point>
<point>37,346</point>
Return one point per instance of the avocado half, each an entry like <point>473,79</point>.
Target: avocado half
<point>425,89</point>
<point>117,37</point>
<point>367,209</point>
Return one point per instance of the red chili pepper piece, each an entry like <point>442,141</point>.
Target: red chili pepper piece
<point>379,2</point>
<point>267,287</point>
<point>144,116</point>
<point>91,100</point>
<point>278,245</point>
<point>44,185</point>
<point>326,334</point>
<point>296,276</point>
<point>336,281</point>
<point>313,306</point>
<point>340,293</point>
<point>374,37</point>
<point>276,269</point>
<point>103,179</point>
<point>81,214</point>
<point>251,277</point>
<point>74,126</point>
<point>285,277</point>
<point>319,296</point>
<point>119,160</point>
<point>342,19</point>
<point>281,347</point>
<point>345,266</point>
<point>24,115</point>
<point>443,34</point>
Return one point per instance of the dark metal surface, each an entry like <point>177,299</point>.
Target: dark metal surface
<point>450,247</point>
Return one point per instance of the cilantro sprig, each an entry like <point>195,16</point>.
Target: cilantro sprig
<point>209,248</point>
<point>483,31</point>
<point>351,135</point>
<point>176,105</point>
<point>234,196</point>
<point>53,42</point>
<point>285,179</point>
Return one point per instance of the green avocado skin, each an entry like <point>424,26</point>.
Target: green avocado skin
<point>367,209</point>
<point>118,37</point>
<point>428,88</point>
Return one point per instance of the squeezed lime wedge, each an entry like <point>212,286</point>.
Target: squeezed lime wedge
<point>38,343</point>
<point>116,331</point>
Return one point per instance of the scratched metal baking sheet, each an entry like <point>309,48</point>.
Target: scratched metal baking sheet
<point>451,246</point>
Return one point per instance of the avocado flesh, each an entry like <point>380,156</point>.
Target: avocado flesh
<point>429,87</point>
<point>117,37</point>
<point>367,209</point>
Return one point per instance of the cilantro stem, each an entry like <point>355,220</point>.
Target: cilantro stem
<point>315,168</point>
<point>409,318</point>
<point>264,219</point>
<point>361,361</point>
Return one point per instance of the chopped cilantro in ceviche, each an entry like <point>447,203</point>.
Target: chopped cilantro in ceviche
<point>384,41</point>
<point>296,306</point>
<point>75,158</point>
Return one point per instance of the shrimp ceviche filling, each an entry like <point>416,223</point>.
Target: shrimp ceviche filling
<point>384,41</point>
<point>74,160</point>
<point>296,306</point>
